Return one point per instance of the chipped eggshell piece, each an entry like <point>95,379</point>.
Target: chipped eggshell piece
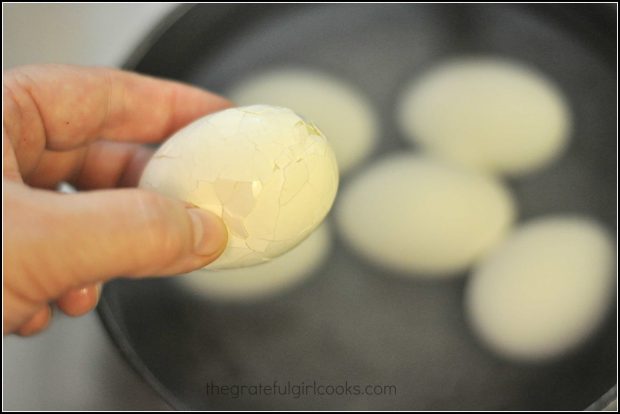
<point>269,174</point>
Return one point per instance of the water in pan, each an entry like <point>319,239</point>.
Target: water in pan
<point>350,323</point>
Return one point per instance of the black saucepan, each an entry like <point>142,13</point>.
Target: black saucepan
<point>353,324</point>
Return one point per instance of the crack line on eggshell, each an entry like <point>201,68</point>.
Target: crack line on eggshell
<point>254,250</point>
<point>277,218</point>
<point>301,187</point>
<point>243,257</point>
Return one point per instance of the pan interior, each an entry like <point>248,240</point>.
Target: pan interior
<point>352,323</point>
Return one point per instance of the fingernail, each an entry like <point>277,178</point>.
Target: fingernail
<point>210,233</point>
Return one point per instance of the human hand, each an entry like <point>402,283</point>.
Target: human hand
<point>85,126</point>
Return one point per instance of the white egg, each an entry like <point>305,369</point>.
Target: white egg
<point>424,217</point>
<point>269,174</point>
<point>267,280</point>
<point>344,114</point>
<point>491,114</point>
<point>544,290</point>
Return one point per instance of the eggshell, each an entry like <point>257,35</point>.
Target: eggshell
<point>270,175</point>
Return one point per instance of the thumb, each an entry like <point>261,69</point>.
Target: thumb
<point>87,237</point>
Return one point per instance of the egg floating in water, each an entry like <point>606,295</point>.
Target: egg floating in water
<point>265,281</point>
<point>269,174</point>
<point>343,113</point>
<point>423,217</point>
<point>544,290</point>
<point>488,113</point>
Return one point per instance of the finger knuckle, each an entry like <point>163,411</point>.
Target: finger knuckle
<point>165,241</point>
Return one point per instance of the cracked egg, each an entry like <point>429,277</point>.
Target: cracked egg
<point>269,174</point>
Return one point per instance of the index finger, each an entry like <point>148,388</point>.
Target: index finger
<point>62,107</point>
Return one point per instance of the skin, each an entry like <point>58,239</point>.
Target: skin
<point>88,127</point>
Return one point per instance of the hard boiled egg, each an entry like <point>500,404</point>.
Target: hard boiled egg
<point>269,174</point>
<point>544,290</point>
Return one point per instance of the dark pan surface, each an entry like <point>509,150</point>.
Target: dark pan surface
<point>352,322</point>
